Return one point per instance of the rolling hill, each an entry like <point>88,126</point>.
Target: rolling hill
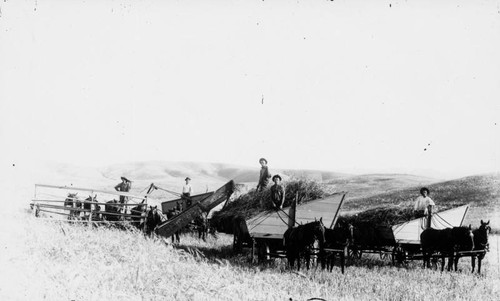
<point>481,192</point>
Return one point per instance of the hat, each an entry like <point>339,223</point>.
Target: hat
<point>262,159</point>
<point>187,178</point>
<point>277,176</point>
<point>125,179</point>
<point>424,189</point>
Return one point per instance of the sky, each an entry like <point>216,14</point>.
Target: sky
<point>350,86</point>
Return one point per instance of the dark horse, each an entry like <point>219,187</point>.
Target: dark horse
<point>172,213</point>
<point>88,205</point>
<point>480,244</point>
<point>338,239</point>
<point>153,219</point>
<point>112,211</point>
<point>299,241</point>
<point>446,242</point>
<point>136,213</point>
<point>201,223</point>
<point>73,202</point>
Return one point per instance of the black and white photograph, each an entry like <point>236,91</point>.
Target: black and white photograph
<point>249,150</point>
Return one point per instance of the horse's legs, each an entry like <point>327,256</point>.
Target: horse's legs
<point>442,262</point>
<point>455,262</point>
<point>332,261</point>
<point>473,262</point>
<point>322,256</point>
<point>450,261</point>
<point>297,256</point>
<point>342,262</point>
<point>307,261</point>
<point>479,259</point>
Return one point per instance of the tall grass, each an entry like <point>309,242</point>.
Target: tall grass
<point>58,261</point>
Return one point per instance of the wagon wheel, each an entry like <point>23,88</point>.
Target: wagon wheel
<point>263,251</point>
<point>354,253</point>
<point>399,255</point>
<point>384,255</point>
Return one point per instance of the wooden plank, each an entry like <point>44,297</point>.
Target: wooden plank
<point>181,220</point>
<point>269,230</point>
<point>130,204</point>
<point>268,235</point>
<point>127,194</point>
<point>169,205</point>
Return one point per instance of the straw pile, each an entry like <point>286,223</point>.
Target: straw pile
<point>384,215</point>
<point>254,202</point>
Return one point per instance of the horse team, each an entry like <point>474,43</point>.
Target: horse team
<point>115,211</point>
<point>453,243</point>
<point>310,239</point>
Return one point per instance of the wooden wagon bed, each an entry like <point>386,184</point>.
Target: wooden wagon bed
<point>267,228</point>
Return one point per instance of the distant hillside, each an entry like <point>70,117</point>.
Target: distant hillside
<point>174,172</point>
<point>373,184</point>
<point>482,192</point>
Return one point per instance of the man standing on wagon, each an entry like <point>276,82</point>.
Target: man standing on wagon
<point>124,186</point>
<point>277,193</point>
<point>187,191</point>
<point>264,175</point>
<point>423,202</point>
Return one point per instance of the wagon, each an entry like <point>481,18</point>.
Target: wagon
<point>266,229</point>
<point>401,242</point>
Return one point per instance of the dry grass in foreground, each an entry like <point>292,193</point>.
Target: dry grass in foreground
<point>56,261</point>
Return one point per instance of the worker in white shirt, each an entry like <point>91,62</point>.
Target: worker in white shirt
<point>423,202</point>
<point>187,191</point>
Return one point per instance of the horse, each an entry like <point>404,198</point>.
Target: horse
<point>201,223</point>
<point>87,205</point>
<point>299,241</point>
<point>480,244</point>
<point>338,239</point>
<point>240,233</point>
<point>172,213</point>
<point>136,213</point>
<point>112,211</point>
<point>153,219</point>
<point>364,237</point>
<point>446,242</point>
<point>72,201</point>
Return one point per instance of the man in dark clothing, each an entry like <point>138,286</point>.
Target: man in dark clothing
<point>124,186</point>
<point>264,175</point>
<point>277,193</point>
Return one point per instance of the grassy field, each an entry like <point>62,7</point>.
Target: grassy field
<point>46,260</point>
<point>50,260</point>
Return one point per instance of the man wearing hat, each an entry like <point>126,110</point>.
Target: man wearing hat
<point>124,186</point>
<point>264,175</point>
<point>277,192</point>
<point>187,191</point>
<point>423,202</point>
